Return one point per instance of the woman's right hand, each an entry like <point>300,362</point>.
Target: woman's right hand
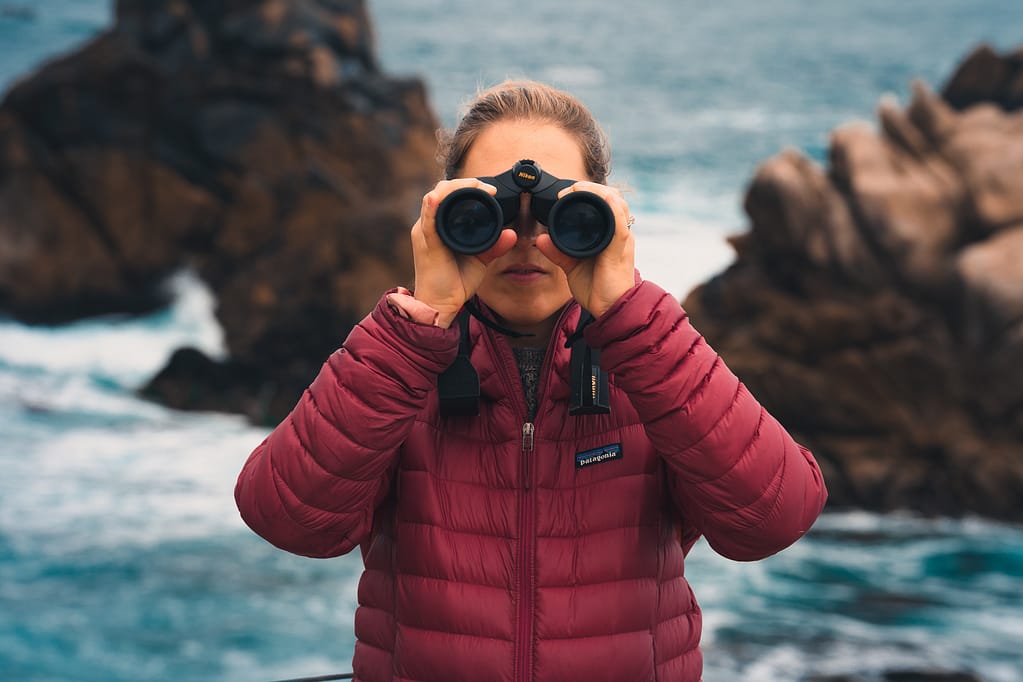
<point>446,280</point>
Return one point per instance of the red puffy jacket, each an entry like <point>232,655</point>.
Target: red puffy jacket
<point>494,553</point>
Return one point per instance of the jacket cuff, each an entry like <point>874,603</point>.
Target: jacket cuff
<point>406,305</point>
<point>436,347</point>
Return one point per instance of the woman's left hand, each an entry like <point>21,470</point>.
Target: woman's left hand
<point>597,282</point>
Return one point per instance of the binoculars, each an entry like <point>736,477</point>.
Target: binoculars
<point>469,220</point>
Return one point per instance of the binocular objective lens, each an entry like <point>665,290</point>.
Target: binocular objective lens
<point>582,228</point>
<point>468,224</point>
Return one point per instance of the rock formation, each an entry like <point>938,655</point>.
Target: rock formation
<point>256,141</point>
<point>876,306</point>
<point>986,76</point>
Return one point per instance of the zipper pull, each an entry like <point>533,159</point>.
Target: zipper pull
<point>527,437</point>
<point>527,447</point>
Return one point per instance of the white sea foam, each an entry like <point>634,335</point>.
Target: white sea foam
<point>161,479</point>
<point>71,394</point>
<point>98,487</point>
<point>679,254</point>
<point>866,593</point>
<point>866,658</point>
<point>126,350</point>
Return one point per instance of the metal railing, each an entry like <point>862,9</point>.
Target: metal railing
<point>321,678</point>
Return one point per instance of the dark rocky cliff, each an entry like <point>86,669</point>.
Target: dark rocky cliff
<point>876,305</point>
<point>256,141</point>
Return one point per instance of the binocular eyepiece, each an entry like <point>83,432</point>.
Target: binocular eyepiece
<point>581,224</point>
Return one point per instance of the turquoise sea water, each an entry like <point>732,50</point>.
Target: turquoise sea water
<point>121,554</point>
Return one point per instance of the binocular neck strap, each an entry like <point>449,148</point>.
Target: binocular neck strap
<point>475,312</point>
<point>458,386</point>
<point>584,319</point>
<point>590,390</point>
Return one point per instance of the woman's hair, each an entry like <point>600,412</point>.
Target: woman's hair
<point>518,100</point>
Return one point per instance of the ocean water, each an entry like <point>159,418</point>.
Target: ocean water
<point>121,554</point>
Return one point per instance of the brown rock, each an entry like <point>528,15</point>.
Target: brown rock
<point>992,275</point>
<point>797,213</point>
<point>931,115</point>
<point>986,149</point>
<point>907,208</point>
<point>877,308</point>
<point>986,76</point>
<point>255,141</point>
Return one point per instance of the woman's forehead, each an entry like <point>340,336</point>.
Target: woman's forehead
<point>501,144</point>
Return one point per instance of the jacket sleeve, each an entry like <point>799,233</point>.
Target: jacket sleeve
<point>312,485</point>
<point>734,471</point>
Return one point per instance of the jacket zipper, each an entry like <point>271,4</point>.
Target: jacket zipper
<point>527,542</point>
<point>527,514</point>
<point>527,447</point>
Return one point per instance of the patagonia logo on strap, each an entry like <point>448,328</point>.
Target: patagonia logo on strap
<point>598,455</point>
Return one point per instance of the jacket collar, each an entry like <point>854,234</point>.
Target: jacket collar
<point>494,359</point>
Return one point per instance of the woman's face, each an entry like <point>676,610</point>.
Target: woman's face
<point>522,287</point>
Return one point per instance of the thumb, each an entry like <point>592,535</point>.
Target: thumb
<point>505,243</point>
<point>545,246</point>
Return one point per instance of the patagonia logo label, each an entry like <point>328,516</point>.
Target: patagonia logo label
<point>598,455</point>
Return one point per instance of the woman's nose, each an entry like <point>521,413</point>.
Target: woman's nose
<point>525,224</point>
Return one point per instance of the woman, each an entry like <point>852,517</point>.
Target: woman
<point>525,543</point>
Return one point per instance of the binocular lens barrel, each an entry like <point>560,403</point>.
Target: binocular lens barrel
<point>469,221</point>
<point>581,224</point>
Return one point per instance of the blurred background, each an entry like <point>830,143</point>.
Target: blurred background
<point>122,556</point>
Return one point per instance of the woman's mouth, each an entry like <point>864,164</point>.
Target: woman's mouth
<point>523,272</point>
